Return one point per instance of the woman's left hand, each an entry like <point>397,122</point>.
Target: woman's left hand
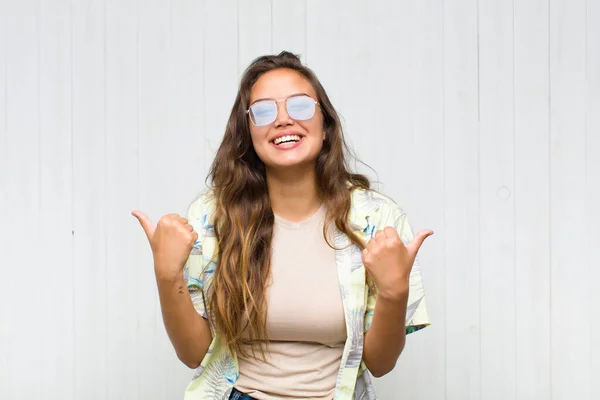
<point>390,262</point>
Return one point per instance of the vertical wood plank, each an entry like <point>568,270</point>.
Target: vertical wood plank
<point>220,73</point>
<point>255,20</point>
<point>339,42</point>
<point>289,27</point>
<point>377,44</point>
<point>183,143</point>
<point>421,371</point>
<point>22,185</point>
<point>186,108</point>
<point>4,234</point>
<point>497,200</point>
<point>56,292</point>
<point>321,55</point>
<point>122,188</point>
<point>570,272</point>
<point>593,185</point>
<point>532,200</point>
<point>156,188</point>
<point>461,201</point>
<point>89,195</point>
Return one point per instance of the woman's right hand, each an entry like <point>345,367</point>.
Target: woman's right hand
<point>171,241</point>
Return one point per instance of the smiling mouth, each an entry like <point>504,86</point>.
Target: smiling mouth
<point>287,139</point>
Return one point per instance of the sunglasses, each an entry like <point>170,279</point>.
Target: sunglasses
<point>299,108</point>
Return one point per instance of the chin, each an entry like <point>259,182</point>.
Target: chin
<point>291,164</point>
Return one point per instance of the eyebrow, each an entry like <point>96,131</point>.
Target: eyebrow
<point>270,98</point>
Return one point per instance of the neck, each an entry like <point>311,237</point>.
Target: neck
<point>293,192</point>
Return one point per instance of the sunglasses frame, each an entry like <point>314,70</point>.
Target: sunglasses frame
<point>280,100</point>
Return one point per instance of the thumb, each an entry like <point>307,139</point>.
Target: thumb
<point>147,225</point>
<point>415,245</point>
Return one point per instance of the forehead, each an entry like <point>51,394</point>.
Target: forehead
<point>280,84</point>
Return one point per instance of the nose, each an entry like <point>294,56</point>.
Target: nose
<point>283,118</point>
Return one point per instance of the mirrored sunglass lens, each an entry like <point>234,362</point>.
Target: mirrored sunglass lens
<point>301,108</point>
<point>263,112</point>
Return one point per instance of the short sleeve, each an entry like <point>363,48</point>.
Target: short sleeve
<point>194,266</point>
<point>417,316</point>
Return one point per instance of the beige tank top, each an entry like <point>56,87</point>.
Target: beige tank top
<point>305,318</point>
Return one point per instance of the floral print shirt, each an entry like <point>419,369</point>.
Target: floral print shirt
<point>370,211</point>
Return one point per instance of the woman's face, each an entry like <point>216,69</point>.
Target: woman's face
<point>286,142</point>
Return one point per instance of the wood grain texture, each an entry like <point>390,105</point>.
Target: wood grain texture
<point>480,118</point>
<point>593,187</point>
<point>532,200</point>
<point>221,79</point>
<point>122,188</point>
<point>254,22</point>
<point>156,186</point>
<point>497,200</point>
<point>4,233</point>
<point>56,205</point>
<point>288,29</point>
<point>570,290</point>
<point>22,196</point>
<point>462,211</point>
<point>89,200</point>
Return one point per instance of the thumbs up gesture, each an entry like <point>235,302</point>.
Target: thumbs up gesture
<point>171,241</point>
<point>390,262</point>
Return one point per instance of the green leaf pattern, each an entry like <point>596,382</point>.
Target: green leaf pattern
<point>370,211</point>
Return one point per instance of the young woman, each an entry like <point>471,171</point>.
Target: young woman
<point>289,278</point>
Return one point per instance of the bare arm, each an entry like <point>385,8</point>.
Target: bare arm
<point>188,331</point>
<point>386,337</point>
<point>389,262</point>
<point>172,241</point>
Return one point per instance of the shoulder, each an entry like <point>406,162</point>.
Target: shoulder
<point>202,206</point>
<point>374,205</point>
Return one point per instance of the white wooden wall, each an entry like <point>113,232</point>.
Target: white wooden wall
<point>482,118</point>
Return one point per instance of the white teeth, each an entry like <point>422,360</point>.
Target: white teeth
<point>289,138</point>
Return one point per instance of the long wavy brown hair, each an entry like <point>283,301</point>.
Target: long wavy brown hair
<point>243,215</point>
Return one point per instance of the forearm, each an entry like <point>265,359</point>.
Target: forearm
<point>386,337</point>
<point>188,331</point>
